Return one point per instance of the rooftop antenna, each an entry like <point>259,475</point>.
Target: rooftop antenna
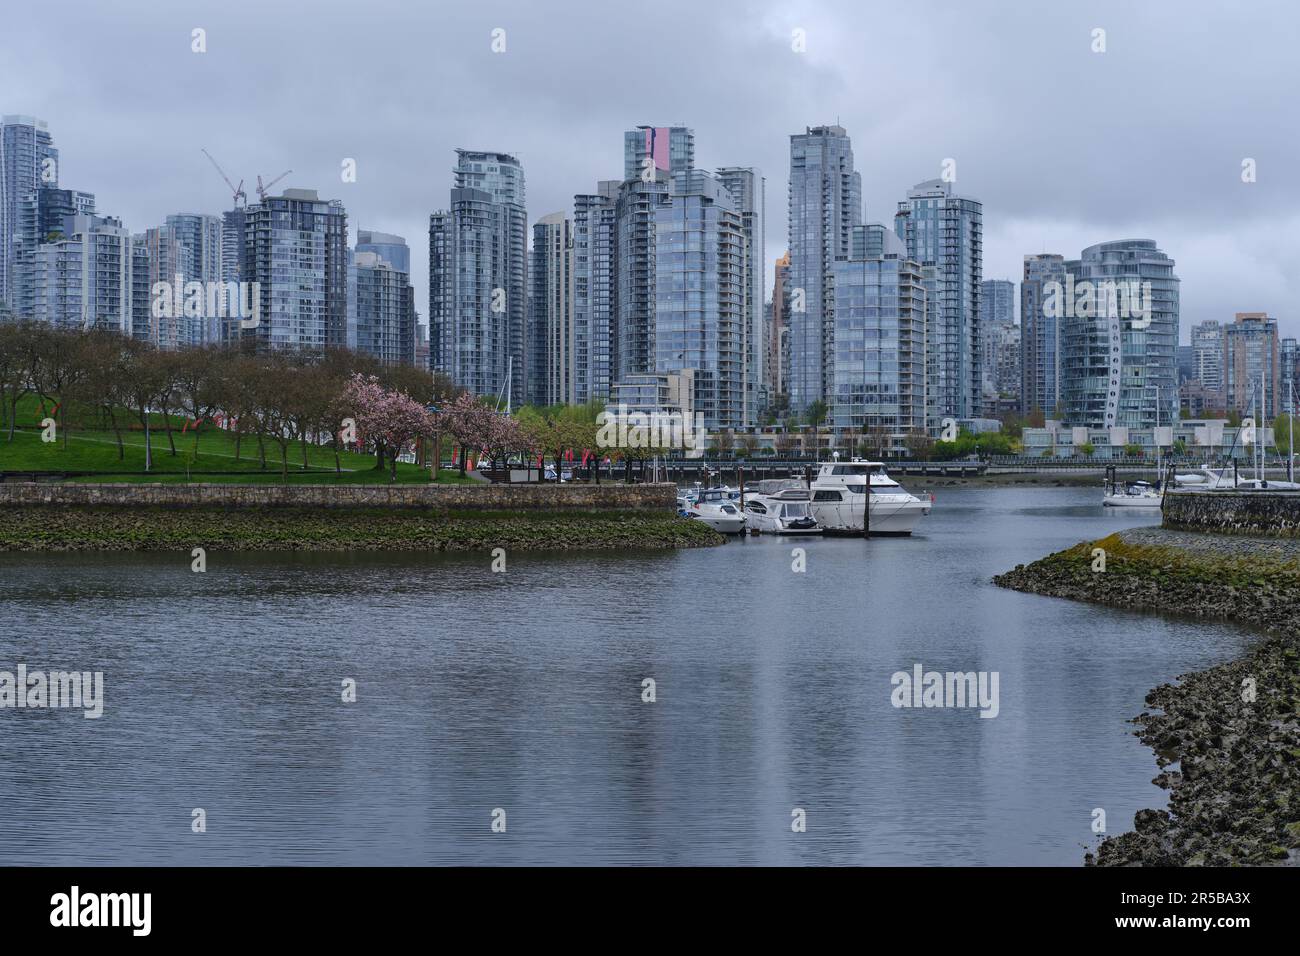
<point>241,198</point>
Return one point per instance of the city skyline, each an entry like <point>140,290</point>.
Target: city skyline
<point>1175,176</point>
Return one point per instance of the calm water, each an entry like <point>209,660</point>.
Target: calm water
<point>523,691</point>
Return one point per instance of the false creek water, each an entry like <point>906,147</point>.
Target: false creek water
<point>522,691</point>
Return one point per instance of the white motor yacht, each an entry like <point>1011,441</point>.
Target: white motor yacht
<point>783,511</point>
<point>839,490</point>
<point>715,508</point>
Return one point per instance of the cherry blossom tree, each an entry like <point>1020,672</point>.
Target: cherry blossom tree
<point>388,419</point>
<point>470,423</point>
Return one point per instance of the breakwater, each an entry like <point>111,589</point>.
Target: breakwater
<point>1234,512</point>
<point>146,517</point>
<point>481,497</point>
<point>1233,731</point>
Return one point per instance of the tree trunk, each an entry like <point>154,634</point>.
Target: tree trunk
<point>121,452</point>
<point>167,423</point>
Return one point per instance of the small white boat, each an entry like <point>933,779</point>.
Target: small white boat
<point>1262,484</point>
<point>785,511</point>
<point>1133,494</point>
<point>840,490</point>
<point>1225,479</point>
<point>715,508</point>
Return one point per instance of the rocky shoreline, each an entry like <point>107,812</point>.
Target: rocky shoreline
<point>1227,739</point>
<point>83,528</point>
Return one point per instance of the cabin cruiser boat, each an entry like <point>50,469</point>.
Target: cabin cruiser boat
<point>715,508</point>
<point>838,493</point>
<point>782,511</point>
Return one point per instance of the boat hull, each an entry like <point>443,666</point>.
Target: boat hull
<point>1131,501</point>
<point>723,524</point>
<point>898,516</point>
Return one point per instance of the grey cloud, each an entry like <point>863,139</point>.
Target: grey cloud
<point>1064,146</point>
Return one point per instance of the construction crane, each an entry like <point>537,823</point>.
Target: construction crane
<point>262,190</point>
<point>241,198</point>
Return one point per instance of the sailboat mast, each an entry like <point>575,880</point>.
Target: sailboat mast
<point>1158,468</point>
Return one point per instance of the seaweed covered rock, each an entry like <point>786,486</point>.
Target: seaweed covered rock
<point>1232,730</point>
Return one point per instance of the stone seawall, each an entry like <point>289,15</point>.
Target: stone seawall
<point>1234,512</point>
<point>568,497</point>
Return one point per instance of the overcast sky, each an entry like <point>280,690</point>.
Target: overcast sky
<point>1063,145</point>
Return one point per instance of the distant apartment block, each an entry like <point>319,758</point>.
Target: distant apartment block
<point>296,249</point>
<point>945,231</point>
<point>552,334</point>
<point>1252,366</point>
<point>478,293</point>
<point>825,204</point>
<point>28,161</point>
<point>1119,370</point>
<point>1040,336</point>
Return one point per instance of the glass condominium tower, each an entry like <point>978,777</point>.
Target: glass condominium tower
<point>946,231</point>
<point>28,161</point>
<point>1040,339</point>
<point>392,249</point>
<point>1113,366</point>
<point>296,249</point>
<point>825,205</point>
<point>668,149</point>
<point>701,296</point>
<point>381,306</point>
<point>878,366</point>
<point>551,332</point>
<point>595,222</point>
<point>748,190</point>
<point>201,237</point>
<point>478,294</point>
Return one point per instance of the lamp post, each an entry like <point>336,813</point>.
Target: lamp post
<point>437,446</point>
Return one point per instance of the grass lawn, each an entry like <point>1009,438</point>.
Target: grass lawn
<point>212,460</point>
